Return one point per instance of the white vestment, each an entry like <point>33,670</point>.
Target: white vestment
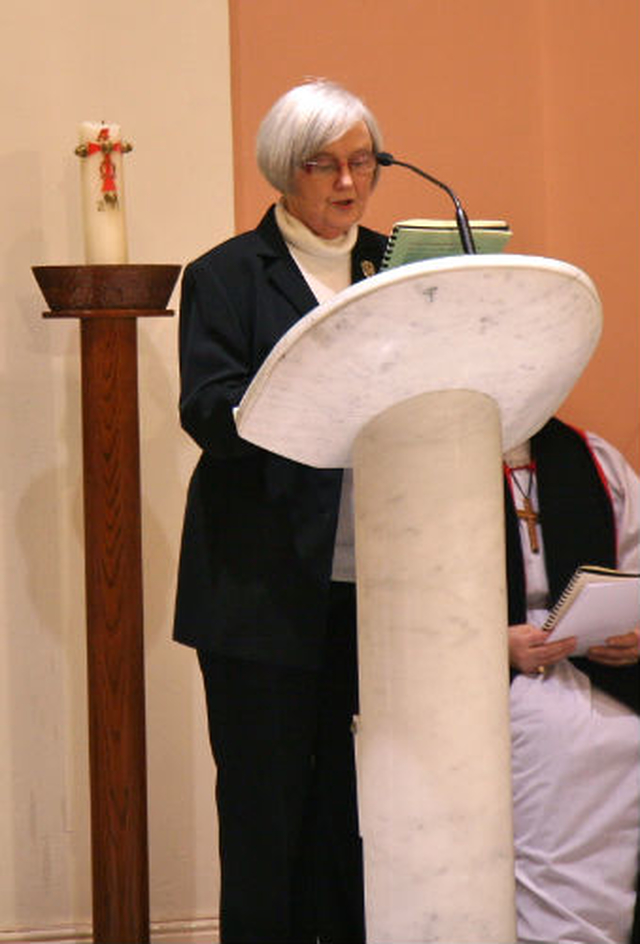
<point>576,770</point>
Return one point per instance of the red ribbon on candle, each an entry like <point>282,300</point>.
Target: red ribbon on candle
<point>107,167</point>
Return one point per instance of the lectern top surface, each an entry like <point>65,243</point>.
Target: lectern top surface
<point>519,329</point>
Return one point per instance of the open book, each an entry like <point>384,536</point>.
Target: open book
<point>415,240</point>
<point>597,603</point>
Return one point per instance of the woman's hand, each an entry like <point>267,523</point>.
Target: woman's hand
<point>618,650</point>
<point>531,653</point>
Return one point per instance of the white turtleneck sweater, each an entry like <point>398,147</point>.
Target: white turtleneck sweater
<point>326,267</point>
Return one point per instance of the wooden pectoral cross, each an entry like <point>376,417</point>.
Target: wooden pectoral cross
<point>528,515</point>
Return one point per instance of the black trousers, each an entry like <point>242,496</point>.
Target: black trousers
<point>290,850</point>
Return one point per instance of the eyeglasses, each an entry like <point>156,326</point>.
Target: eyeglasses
<point>360,165</point>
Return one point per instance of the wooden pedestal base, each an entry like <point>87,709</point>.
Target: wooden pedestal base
<point>108,300</point>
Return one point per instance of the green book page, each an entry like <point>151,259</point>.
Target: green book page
<point>413,243</point>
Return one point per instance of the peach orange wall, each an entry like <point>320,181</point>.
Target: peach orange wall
<point>528,109</point>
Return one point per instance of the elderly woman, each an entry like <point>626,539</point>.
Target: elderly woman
<point>266,584</point>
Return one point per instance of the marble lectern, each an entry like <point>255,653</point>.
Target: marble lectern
<point>420,377</point>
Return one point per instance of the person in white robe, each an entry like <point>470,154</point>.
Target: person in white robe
<point>575,748</point>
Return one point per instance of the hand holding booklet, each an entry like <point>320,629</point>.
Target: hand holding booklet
<point>597,603</point>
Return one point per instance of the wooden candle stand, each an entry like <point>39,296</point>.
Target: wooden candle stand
<point>108,300</point>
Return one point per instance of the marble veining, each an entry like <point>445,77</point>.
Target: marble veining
<point>519,328</point>
<point>423,375</point>
<point>433,742</point>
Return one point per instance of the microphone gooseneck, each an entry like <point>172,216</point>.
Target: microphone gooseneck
<point>466,237</point>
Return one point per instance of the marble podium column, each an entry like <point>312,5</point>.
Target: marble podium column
<point>433,652</point>
<point>420,378</point>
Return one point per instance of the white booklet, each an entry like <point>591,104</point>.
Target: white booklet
<point>598,602</point>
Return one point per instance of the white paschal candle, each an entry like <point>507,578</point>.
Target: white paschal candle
<point>103,213</point>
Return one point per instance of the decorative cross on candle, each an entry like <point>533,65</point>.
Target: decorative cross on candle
<point>105,146</point>
<point>101,150</point>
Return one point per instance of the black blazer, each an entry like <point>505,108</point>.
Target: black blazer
<point>259,530</point>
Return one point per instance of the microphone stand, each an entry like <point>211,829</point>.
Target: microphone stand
<point>462,220</point>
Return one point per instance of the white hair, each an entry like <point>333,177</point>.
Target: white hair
<point>302,122</point>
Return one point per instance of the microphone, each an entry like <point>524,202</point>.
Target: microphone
<point>466,237</point>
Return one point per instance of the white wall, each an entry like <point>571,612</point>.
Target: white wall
<point>161,70</point>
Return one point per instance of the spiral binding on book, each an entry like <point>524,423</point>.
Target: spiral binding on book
<point>574,582</point>
<point>423,239</point>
